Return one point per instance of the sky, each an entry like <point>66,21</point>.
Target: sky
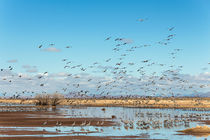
<point>85,24</point>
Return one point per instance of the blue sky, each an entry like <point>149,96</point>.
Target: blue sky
<point>84,24</point>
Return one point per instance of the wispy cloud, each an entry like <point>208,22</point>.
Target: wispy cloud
<point>127,40</point>
<point>12,61</point>
<point>52,49</point>
<point>30,69</point>
<point>128,85</point>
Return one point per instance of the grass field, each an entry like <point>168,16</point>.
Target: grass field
<point>140,102</point>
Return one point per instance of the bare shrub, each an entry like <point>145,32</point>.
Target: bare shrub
<point>48,99</point>
<point>55,99</point>
<point>42,99</point>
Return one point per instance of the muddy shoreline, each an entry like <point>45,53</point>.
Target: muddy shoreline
<point>26,121</point>
<point>32,119</point>
<point>77,138</point>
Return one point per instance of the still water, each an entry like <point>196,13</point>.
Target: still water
<point>145,123</point>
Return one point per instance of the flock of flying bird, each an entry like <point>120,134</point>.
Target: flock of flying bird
<point>125,79</point>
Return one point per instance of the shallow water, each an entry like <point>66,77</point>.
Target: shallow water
<point>145,123</point>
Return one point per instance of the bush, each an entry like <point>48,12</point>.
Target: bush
<point>56,98</point>
<point>42,99</point>
<point>48,99</point>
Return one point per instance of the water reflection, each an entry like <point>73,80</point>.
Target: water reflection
<point>144,123</point>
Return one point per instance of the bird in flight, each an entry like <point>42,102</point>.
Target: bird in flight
<point>68,47</point>
<point>40,46</point>
<point>107,38</point>
<point>108,60</point>
<point>145,61</point>
<point>170,29</point>
<point>141,19</point>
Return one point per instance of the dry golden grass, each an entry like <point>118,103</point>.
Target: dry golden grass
<point>197,129</point>
<point>140,102</point>
<point>17,101</point>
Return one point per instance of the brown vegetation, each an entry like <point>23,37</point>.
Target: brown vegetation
<point>197,131</point>
<point>54,99</point>
<point>48,99</point>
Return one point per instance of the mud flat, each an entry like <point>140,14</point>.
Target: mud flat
<point>202,131</point>
<point>77,138</point>
<point>102,119</point>
<point>22,125</point>
<point>36,119</point>
<point>24,122</point>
